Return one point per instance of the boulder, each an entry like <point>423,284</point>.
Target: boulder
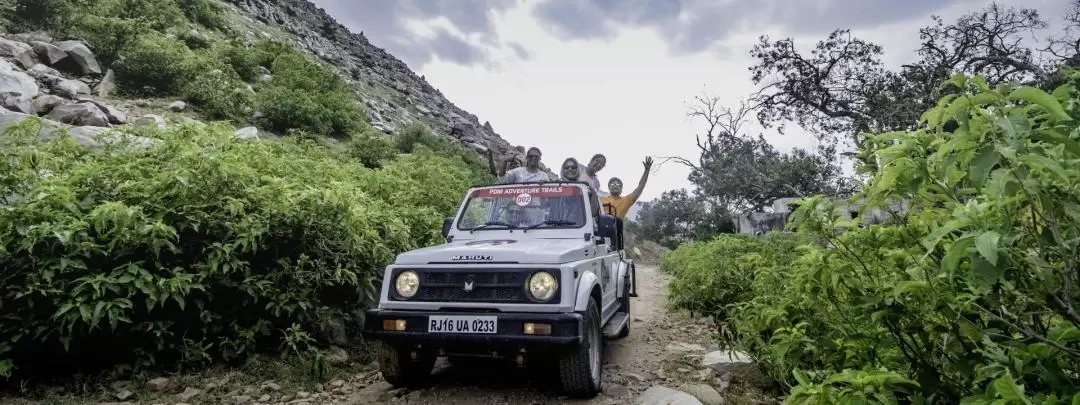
<point>16,81</point>
<point>80,60</point>
<point>247,133</point>
<point>723,362</point>
<point>20,52</point>
<point>704,393</point>
<point>150,120</point>
<point>87,136</point>
<point>71,89</point>
<point>660,395</point>
<point>40,71</point>
<point>177,106</point>
<point>114,114</point>
<point>49,54</point>
<point>84,114</point>
<point>17,102</point>
<point>31,37</point>
<point>46,102</point>
<point>107,84</point>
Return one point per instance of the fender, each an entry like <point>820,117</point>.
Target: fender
<point>584,287</point>
<point>622,277</point>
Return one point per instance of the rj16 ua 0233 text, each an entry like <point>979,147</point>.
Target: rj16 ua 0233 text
<point>462,324</point>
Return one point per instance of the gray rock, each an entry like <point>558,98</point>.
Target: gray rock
<point>18,82</point>
<point>86,114</point>
<point>82,61</point>
<point>71,89</point>
<point>16,102</point>
<point>48,53</point>
<point>177,106</point>
<point>107,84</point>
<point>680,347</point>
<point>150,120</point>
<point>724,362</point>
<point>704,393</point>
<point>30,37</point>
<point>46,102</point>
<point>247,133</point>
<point>114,114</point>
<point>660,395</point>
<point>40,72</point>
<point>616,390</point>
<point>188,394</point>
<point>19,51</point>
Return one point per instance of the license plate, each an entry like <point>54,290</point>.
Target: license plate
<point>462,324</point>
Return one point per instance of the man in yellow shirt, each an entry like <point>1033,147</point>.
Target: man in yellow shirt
<point>617,204</point>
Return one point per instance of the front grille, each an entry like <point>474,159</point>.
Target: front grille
<point>440,285</point>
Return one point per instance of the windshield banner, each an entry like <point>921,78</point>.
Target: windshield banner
<point>531,191</point>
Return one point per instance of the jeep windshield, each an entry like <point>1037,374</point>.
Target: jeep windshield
<point>523,207</point>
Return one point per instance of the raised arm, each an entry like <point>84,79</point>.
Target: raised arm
<point>644,179</point>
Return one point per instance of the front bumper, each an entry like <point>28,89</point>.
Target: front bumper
<point>566,328</point>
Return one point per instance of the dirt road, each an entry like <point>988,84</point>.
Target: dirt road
<point>631,365</point>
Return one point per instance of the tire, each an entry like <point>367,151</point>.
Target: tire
<point>399,369</point>
<point>579,367</point>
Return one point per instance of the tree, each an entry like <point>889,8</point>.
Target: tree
<point>842,88</point>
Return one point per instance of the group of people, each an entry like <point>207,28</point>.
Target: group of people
<point>612,201</point>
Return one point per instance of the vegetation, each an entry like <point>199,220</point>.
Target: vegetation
<point>968,296</point>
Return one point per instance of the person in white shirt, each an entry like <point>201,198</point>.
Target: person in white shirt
<point>530,172</point>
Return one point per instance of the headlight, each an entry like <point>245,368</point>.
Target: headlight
<point>407,283</point>
<point>542,285</point>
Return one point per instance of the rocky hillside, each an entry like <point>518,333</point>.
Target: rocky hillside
<point>394,94</point>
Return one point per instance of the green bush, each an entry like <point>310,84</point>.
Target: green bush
<point>969,297</point>
<point>305,94</point>
<point>220,95</point>
<point>371,148</point>
<point>208,13</point>
<point>154,65</point>
<point>200,248</point>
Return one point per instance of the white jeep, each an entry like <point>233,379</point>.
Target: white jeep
<point>529,272</point>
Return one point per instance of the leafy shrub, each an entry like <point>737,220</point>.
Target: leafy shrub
<point>199,248</point>
<point>969,297</point>
<point>220,94</point>
<point>208,13</point>
<point>307,95</point>
<point>371,148</point>
<point>154,65</point>
<point>416,134</point>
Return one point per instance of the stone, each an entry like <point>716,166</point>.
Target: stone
<point>124,395</point>
<point>241,400</point>
<point>177,106</point>
<point>337,355</point>
<point>114,114</point>
<point>16,102</point>
<point>22,53</point>
<point>17,82</point>
<point>80,60</point>
<point>723,362</point>
<point>86,114</point>
<point>704,393</point>
<point>680,347</point>
<point>46,102</point>
<point>660,395</point>
<point>247,133</point>
<point>160,384</point>
<point>70,89</point>
<point>271,386</point>
<point>107,84</point>
<point>188,394</point>
<point>49,54</point>
<point>150,120</point>
<point>40,72</point>
<point>616,390</point>
<point>30,37</point>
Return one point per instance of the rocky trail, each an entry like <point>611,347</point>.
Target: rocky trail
<point>668,359</point>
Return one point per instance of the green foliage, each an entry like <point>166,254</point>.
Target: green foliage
<point>968,297</point>
<point>199,248</point>
<point>208,13</point>
<point>307,95</point>
<point>416,136</point>
<point>155,64</point>
<point>371,148</point>
<point>220,94</point>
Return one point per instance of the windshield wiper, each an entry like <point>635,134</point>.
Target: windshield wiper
<point>492,223</point>
<point>552,222</point>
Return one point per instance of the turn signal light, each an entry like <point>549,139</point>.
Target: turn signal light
<point>393,324</point>
<point>537,328</point>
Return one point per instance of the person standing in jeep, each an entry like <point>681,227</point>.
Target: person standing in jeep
<point>597,163</point>
<point>530,172</point>
<point>617,204</point>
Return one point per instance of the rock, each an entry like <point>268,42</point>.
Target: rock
<point>16,102</point>
<point>80,60</point>
<point>704,393</point>
<point>264,398</point>
<point>79,114</point>
<point>188,394</point>
<point>124,395</point>
<point>71,89</point>
<point>247,133</point>
<point>177,106</point>
<point>660,395</point>
<point>107,85</point>
<point>30,37</point>
<point>160,384</point>
<point>266,78</point>
<point>150,120</point>
<point>271,386</point>
<point>616,390</point>
<point>48,53</point>
<point>680,347</point>
<point>46,102</point>
<point>337,355</point>
<point>114,114</point>
<point>41,72</point>
<point>724,362</point>
<point>241,400</point>
<point>20,52</point>
<point>16,83</point>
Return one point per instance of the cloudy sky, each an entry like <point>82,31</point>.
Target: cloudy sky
<point>577,77</point>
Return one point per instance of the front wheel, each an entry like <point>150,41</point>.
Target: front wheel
<point>400,368</point>
<point>579,367</point>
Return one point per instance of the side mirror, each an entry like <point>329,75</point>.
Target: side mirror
<point>606,226</point>
<point>446,224</point>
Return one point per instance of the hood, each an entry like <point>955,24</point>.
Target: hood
<point>530,251</point>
